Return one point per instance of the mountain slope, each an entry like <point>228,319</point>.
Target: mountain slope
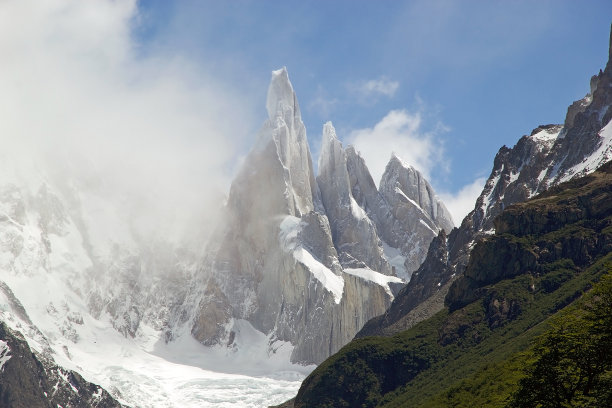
<point>29,380</point>
<point>551,154</point>
<point>495,312</point>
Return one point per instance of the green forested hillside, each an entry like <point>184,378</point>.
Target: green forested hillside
<point>518,322</point>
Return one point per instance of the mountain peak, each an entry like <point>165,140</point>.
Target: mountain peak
<point>332,153</point>
<point>329,132</point>
<point>396,161</point>
<point>280,94</point>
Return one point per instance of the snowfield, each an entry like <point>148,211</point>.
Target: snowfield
<point>146,372</point>
<point>173,375</point>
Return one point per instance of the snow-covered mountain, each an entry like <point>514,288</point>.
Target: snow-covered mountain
<point>550,155</point>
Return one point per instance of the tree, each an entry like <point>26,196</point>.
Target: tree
<point>573,361</point>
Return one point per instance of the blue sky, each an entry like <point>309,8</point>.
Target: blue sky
<point>182,84</point>
<point>478,74</point>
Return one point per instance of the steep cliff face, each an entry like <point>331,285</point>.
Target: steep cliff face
<point>551,154</point>
<point>297,258</point>
<point>303,260</point>
<point>405,209</point>
<point>417,214</point>
<point>353,232</point>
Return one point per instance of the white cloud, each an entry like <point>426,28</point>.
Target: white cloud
<point>74,92</point>
<point>400,132</point>
<point>403,133</point>
<point>322,103</point>
<point>375,87</point>
<point>462,202</point>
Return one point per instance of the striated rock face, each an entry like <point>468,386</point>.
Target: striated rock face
<point>550,155</point>
<point>417,214</point>
<point>29,380</point>
<point>308,261</point>
<point>297,258</point>
<point>353,232</point>
<point>405,209</point>
<point>401,182</point>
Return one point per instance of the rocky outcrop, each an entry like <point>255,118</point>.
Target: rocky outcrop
<point>29,380</point>
<point>555,226</point>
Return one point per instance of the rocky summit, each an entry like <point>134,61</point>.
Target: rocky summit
<point>304,259</point>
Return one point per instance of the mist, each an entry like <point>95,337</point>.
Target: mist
<point>154,137</point>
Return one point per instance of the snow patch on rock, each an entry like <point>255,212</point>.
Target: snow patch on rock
<point>288,235</point>
<point>4,354</point>
<point>375,277</point>
<point>600,156</point>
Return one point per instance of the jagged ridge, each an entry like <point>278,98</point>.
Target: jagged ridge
<point>307,260</point>
<point>551,154</point>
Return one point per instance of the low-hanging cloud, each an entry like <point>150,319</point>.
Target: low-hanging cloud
<point>462,202</point>
<point>400,132</point>
<point>79,100</point>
